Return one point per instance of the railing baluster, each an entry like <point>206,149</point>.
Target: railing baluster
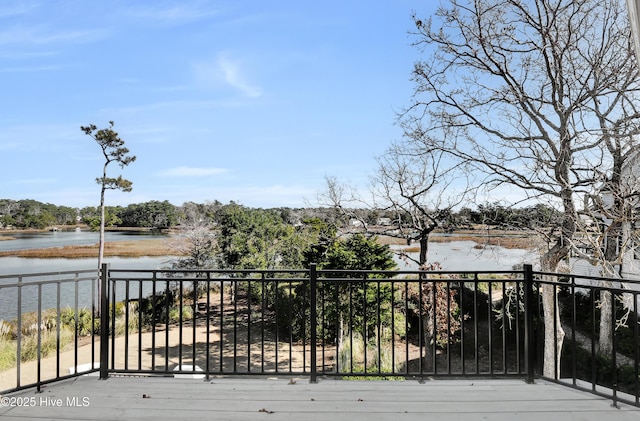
<point>263,300</point>
<point>19,333</point>
<point>249,325</point>
<point>313,322</point>
<point>593,337</point>
<point>290,327</point>
<point>462,325</point>
<point>490,324</point>
<point>503,330</point>
<point>76,325</point>
<point>194,313</point>
<point>221,321</point>
<point>104,321</point>
<point>276,319</point>
<point>574,328</point>
<point>127,305</point>
<point>168,299</point>
<point>363,306</point>
<point>58,330</point>
<point>529,345</point>
<point>421,335</point>
<point>154,303</point>
<point>636,347</point>
<point>379,331</point>
<point>140,325</point>
<point>393,328</point>
<point>476,329</point>
<point>434,321</point>
<point>180,321</point>
<point>407,358</point>
<point>448,336</point>
<point>112,285</point>
<point>207,347</point>
<point>614,349</point>
<point>39,352</point>
<point>208,329</point>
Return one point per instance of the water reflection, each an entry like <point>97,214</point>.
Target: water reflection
<point>466,256</point>
<point>34,240</point>
<point>454,256</point>
<point>49,293</point>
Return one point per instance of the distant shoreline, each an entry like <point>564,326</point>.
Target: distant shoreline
<point>170,247</point>
<point>133,248</point>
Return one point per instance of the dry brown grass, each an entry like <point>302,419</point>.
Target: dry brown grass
<point>139,248</point>
<point>502,239</point>
<point>162,247</point>
<point>506,241</point>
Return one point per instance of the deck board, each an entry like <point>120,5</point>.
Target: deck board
<point>121,398</point>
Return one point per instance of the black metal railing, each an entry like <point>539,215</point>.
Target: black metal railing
<point>604,364</point>
<point>313,322</point>
<point>337,323</point>
<point>45,320</point>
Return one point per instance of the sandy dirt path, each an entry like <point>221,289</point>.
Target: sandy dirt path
<point>238,350</point>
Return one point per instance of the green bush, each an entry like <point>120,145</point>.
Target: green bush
<point>174,314</point>
<point>7,353</point>
<point>48,344</point>
<point>351,356</point>
<point>87,325</point>
<point>626,381</point>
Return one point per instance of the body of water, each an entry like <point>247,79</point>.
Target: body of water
<point>454,256</point>
<point>464,256</point>
<point>49,292</point>
<point>35,240</point>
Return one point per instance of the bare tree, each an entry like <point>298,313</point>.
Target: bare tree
<point>198,247</point>
<point>608,234</point>
<point>527,92</point>
<point>420,190</point>
<point>113,150</point>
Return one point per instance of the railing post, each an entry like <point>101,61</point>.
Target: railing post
<point>104,321</point>
<point>313,278</point>
<point>529,343</point>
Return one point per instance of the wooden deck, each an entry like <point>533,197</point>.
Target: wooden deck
<point>161,398</point>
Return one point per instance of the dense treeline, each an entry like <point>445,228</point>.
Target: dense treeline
<point>31,214</point>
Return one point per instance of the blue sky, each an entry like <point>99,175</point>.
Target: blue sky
<point>250,101</point>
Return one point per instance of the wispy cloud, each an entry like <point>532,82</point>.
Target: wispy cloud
<point>24,69</point>
<point>180,105</point>
<point>27,55</point>
<point>225,70</point>
<point>41,35</point>
<point>183,13</point>
<point>192,172</point>
<point>36,181</point>
<point>16,9</point>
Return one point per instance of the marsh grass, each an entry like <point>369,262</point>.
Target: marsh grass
<point>139,248</point>
<point>56,332</point>
<point>29,346</point>
<point>164,247</point>
<point>352,357</point>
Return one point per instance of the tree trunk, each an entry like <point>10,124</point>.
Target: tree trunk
<point>101,244</point>
<point>428,338</point>
<point>424,249</point>
<point>605,342</point>
<point>605,336</point>
<point>553,332</point>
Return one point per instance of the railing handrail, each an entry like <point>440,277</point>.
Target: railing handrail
<point>40,274</point>
<point>316,279</point>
